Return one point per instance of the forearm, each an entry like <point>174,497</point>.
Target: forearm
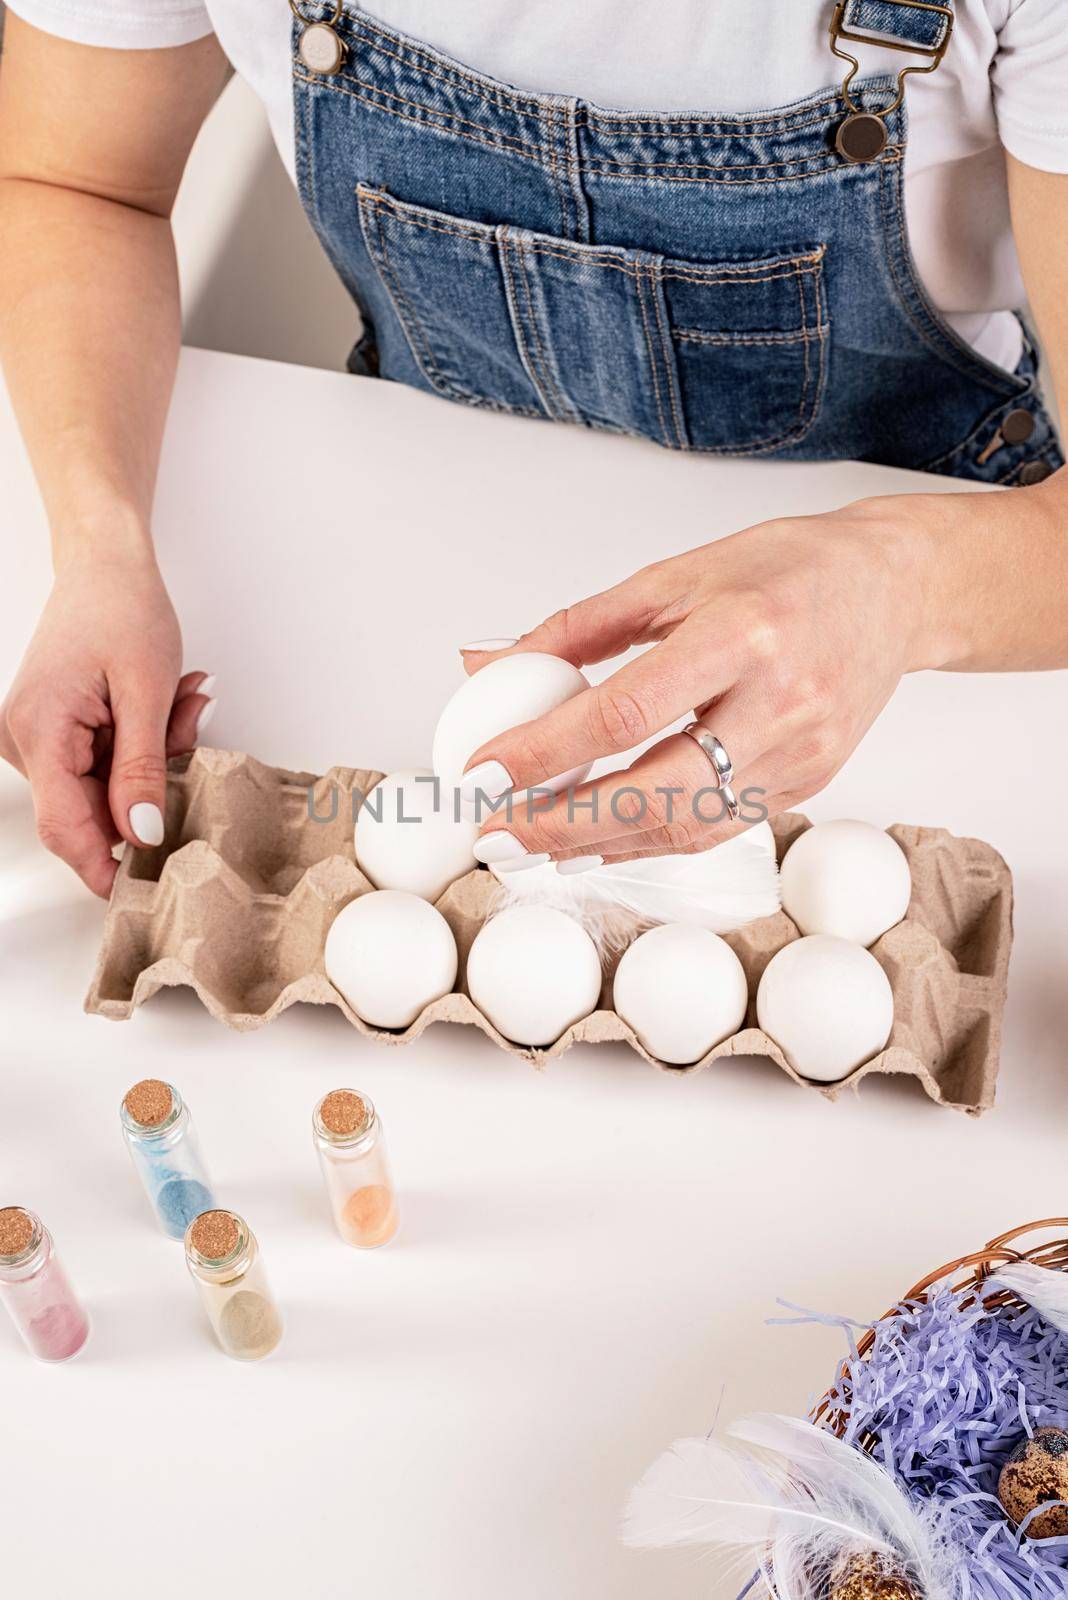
<point>992,586</point>
<point>89,337</point>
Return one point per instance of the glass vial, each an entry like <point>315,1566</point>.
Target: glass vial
<point>224,1259</point>
<point>36,1290</point>
<point>352,1155</point>
<point>161,1139</point>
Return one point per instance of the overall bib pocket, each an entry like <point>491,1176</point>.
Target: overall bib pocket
<point>726,357</point>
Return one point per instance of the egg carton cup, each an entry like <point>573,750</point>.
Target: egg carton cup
<point>258,861</point>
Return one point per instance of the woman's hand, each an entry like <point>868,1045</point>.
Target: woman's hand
<point>786,640</point>
<point>98,704</point>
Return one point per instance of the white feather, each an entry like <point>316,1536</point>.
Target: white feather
<point>1041,1287</point>
<point>795,1500</point>
<point>720,889</point>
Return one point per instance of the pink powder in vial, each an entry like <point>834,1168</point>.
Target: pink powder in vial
<point>35,1289</point>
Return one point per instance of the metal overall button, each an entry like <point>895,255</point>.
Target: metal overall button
<point>1033,472</point>
<point>1017,428</point>
<point>320,48</point>
<point>861,137</point>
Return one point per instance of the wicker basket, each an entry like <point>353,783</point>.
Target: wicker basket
<point>833,1410</point>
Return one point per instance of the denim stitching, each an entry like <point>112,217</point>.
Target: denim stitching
<point>410,323</point>
<point>449,122</point>
<point>413,327</point>
<point>640,284</point>
<point>802,267</point>
<point>564,407</point>
<point>440,224</point>
<point>522,346</point>
<point>528,153</point>
<point>808,408</point>
<point>599,116</point>
<point>551,396</point>
<point>548,135</point>
<point>709,166</point>
<point>702,336</point>
<point>832,164</point>
<point>507,99</point>
<point>504,98</point>
<point>667,355</point>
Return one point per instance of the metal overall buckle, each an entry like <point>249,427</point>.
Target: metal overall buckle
<point>320,47</point>
<point>863,135</point>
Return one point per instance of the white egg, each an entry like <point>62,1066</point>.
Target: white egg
<point>533,972</point>
<point>828,1005</point>
<point>682,990</point>
<point>408,835</point>
<point>390,954</point>
<point>846,878</point>
<point>505,693</point>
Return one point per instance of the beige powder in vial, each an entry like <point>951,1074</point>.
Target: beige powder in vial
<point>352,1155</point>
<point>224,1259</point>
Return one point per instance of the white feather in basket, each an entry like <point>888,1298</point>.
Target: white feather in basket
<point>1044,1288</point>
<point>793,1501</point>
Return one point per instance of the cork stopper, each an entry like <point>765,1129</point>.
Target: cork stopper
<point>345,1114</point>
<point>17,1231</point>
<point>215,1235</point>
<point>149,1103</point>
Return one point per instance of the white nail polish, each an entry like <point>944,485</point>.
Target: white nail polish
<point>567,869</point>
<point>499,846</point>
<point>537,858</point>
<point>146,822</point>
<point>489,644</point>
<point>207,686</point>
<point>490,780</point>
<point>205,716</point>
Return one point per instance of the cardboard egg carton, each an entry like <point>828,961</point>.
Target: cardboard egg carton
<point>257,862</point>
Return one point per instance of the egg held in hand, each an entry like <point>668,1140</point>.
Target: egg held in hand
<point>505,693</point>
<point>682,989</point>
<point>533,972</point>
<point>846,878</point>
<point>409,836</point>
<point>828,1005</point>
<point>390,954</point>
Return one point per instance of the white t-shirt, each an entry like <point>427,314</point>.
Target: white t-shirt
<point>1002,86</point>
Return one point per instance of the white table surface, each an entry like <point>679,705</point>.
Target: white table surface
<point>588,1255</point>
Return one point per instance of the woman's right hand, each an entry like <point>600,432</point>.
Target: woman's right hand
<point>98,704</point>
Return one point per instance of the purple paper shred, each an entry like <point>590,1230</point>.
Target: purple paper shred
<point>949,1389</point>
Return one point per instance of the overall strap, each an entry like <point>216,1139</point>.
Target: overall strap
<point>920,28</point>
<point>907,24</point>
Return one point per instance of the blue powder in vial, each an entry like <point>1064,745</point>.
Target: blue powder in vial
<point>180,1201</point>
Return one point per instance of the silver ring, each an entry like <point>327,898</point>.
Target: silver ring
<point>722,765</point>
<point>730,800</point>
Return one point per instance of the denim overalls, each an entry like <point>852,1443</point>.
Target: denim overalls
<point>728,284</point>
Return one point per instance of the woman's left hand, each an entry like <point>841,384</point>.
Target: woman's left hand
<point>786,640</point>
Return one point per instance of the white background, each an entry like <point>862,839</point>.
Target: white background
<point>587,1255</point>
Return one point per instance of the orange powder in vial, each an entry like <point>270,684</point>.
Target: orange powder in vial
<point>352,1156</point>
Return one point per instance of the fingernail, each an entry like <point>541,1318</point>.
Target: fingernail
<point>491,780</point>
<point>146,822</point>
<point>537,858</point>
<point>206,714</point>
<point>567,869</point>
<point>499,846</point>
<point>207,685</point>
<point>489,644</point>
